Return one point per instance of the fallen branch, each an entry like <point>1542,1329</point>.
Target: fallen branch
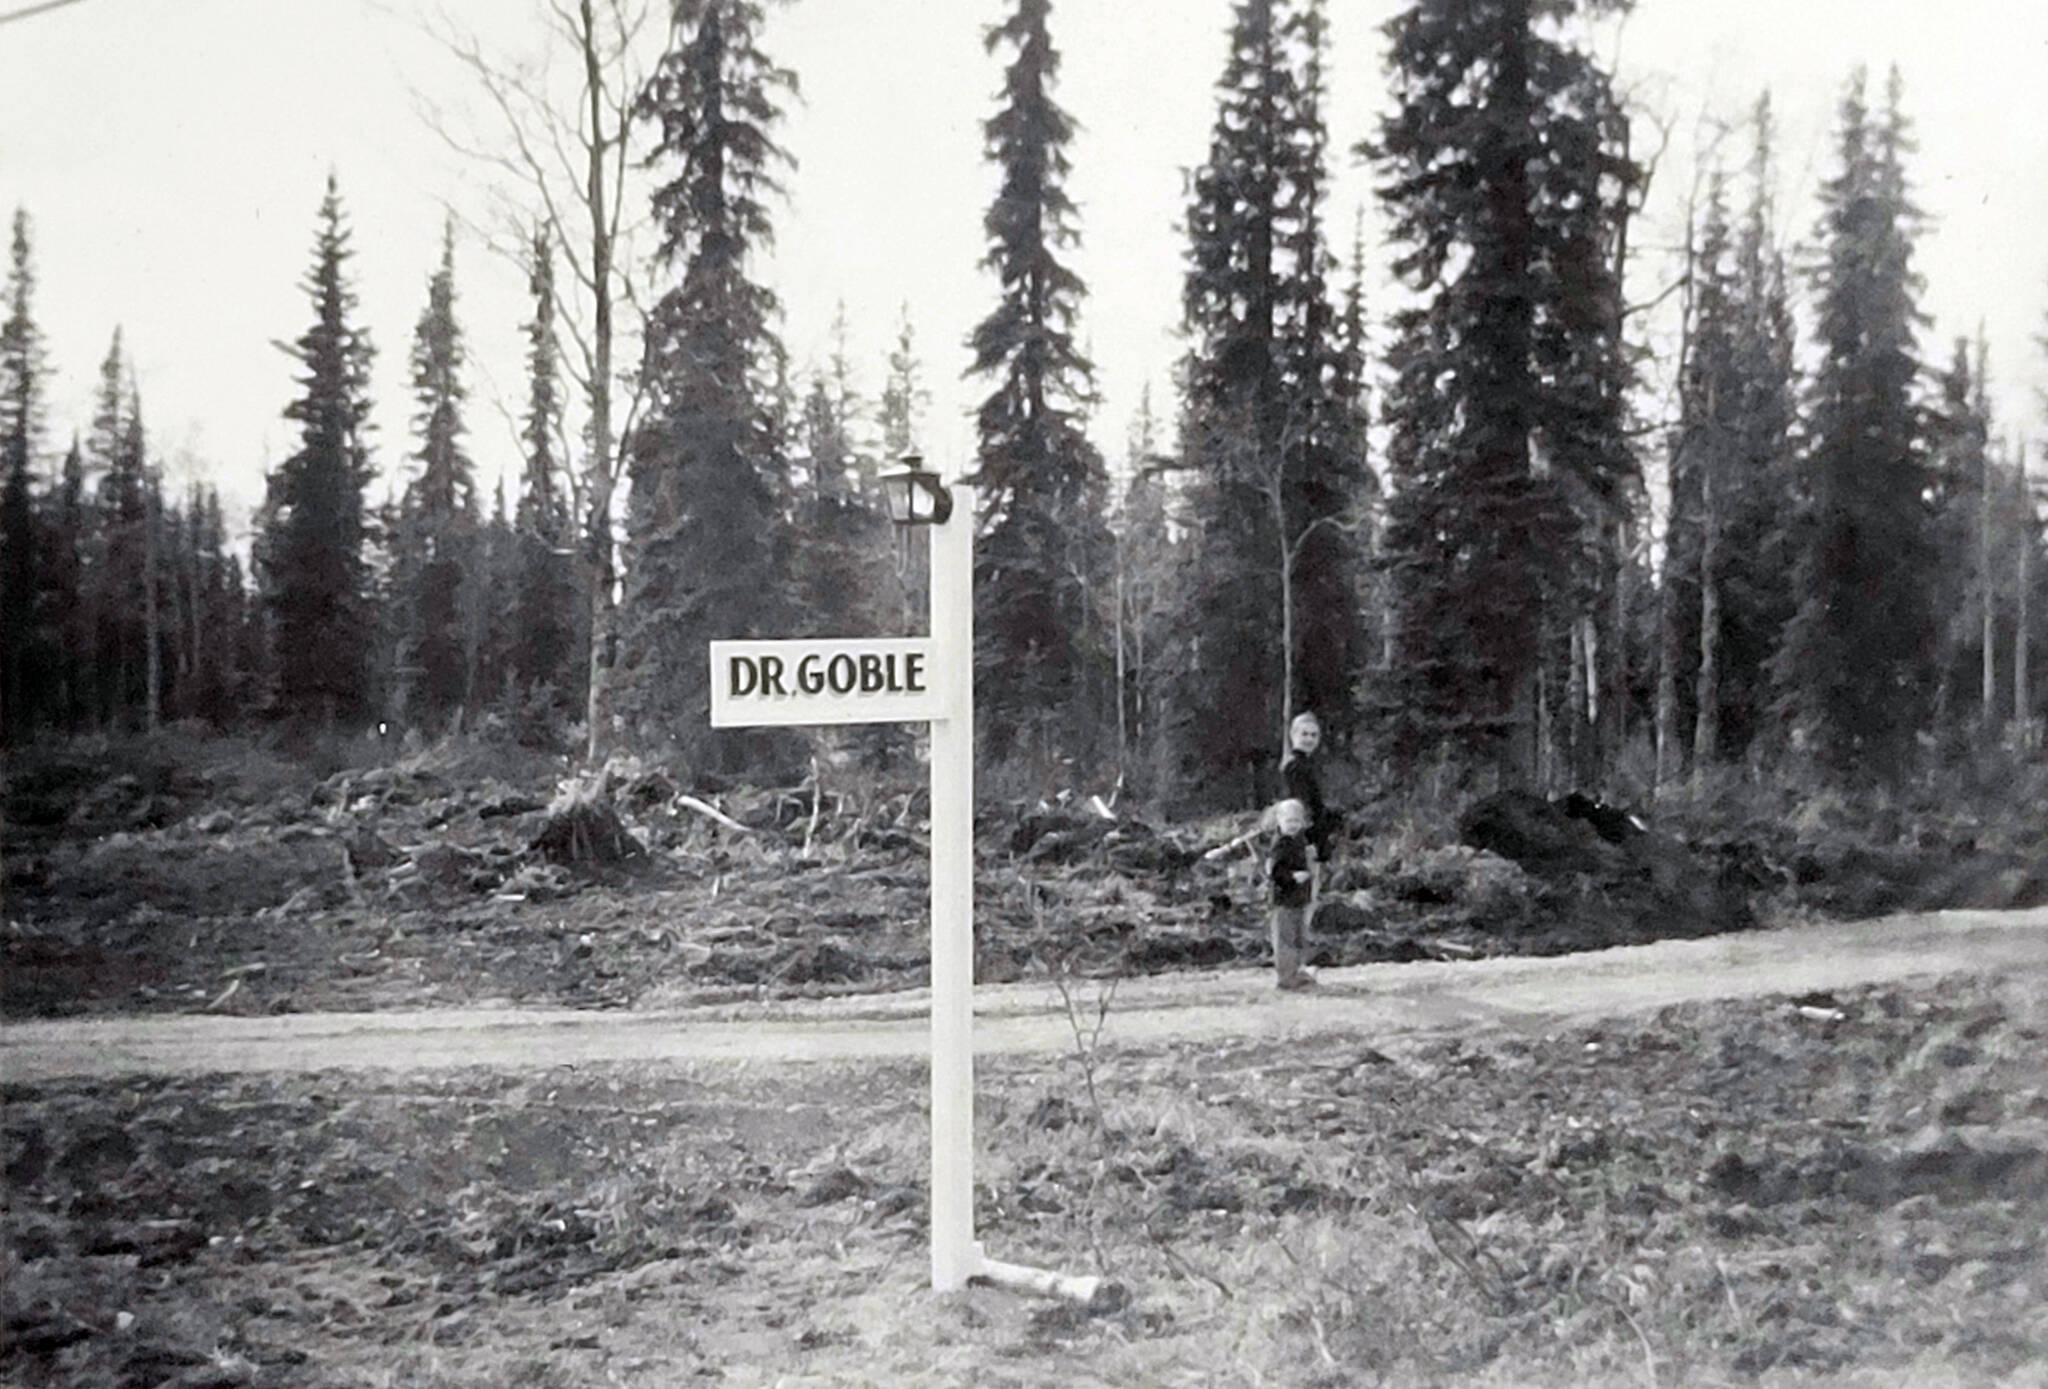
<point>1221,849</point>
<point>711,812</point>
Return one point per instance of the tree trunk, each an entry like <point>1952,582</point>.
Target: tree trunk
<point>1706,726</point>
<point>603,466</point>
<point>1986,585</point>
<point>1587,770</point>
<point>1123,728</point>
<point>195,641</point>
<point>2022,711</point>
<point>1582,699</point>
<point>1286,608</point>
<point>152,618</point>
<point>1667,677</point>
<point>1617,644</point>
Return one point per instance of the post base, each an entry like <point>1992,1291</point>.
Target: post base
<point>1096,1294</point>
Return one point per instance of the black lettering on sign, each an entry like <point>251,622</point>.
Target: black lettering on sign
<point>809,678</point>
<point>841,674</point>
<point>913,671</point>
<point>771,676</point>
<point>872,680</point>
<point>741,675</point>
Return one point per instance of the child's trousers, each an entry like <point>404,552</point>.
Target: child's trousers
<point>1290,942</point>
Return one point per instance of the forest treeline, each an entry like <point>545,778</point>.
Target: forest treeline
<point>1434,527</point>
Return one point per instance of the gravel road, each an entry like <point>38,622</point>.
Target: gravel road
<point>1383,1002</point>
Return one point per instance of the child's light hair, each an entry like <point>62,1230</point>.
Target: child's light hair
<point>1271,819</point>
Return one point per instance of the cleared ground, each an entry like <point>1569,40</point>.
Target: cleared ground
<point>1428,1175</point>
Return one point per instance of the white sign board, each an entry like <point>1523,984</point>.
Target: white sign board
<point>758,684</point>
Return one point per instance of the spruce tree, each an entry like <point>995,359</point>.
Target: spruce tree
<point>1269,425</point>
<point>1041,564</point>
<point>903,396</point>
<point>1145,580</point>
<point>1699,475</point>
<point>1323,445</point>
<point>902,401</point>
<point>436,568</point>
<point>61,554</point>
<point>546,633</point>
<point>1856,669</point>
<point>1961,496</point>
<point>490,636</point>
<point>19,636</point>
<point>1506,177</point>
<point>1754,497</point>
<point>1229,699</point>
<point>706,553</point>
<point>315,580</point>
<point>233,675</point>
<point>839,571</point>
<point>116,543</point>
<point>25,648</point>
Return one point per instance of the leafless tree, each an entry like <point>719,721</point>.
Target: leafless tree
<point>558,149</point>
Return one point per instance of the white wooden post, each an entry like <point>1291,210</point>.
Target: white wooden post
<point>955,1255</point>
<point>757,683</point>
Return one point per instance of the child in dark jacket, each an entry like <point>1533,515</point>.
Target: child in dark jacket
<point>1291,879</point>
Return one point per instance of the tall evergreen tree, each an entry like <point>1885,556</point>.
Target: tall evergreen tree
<point>903,399</point>
<point>1323,444</point>
<point>230,670</point>
<point>1725,591</point>
<point>840,571</point>
<point>1506,177</point>
<point>1269,425</point>
<point>903,396</point>
<point>1699,474</point>
<point>706,553</point>
<point>1145,577</point>
<point>116,543</point>
<point>490,633</point>
<point>436,569</point>
<point>1754,496</point>
<point>1961,495</point>
<point>315,580</point>
<point>61,556</point>
<point>1041,566</point>
<point>1857,665</point>
<point>546,633</point>
<point>25,696</point>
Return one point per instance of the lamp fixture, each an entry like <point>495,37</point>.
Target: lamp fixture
<point>915,496</point>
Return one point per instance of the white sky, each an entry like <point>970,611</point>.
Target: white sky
<point>172,158</point>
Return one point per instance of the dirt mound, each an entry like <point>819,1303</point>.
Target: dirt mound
<point>1601,865</point>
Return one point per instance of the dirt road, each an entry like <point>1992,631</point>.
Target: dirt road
<point>1384,1002</point>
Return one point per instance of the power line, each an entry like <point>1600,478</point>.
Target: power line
<point>29,11</point>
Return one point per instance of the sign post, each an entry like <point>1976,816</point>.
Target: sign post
<point>955,1255</point>
<point>913,679</point>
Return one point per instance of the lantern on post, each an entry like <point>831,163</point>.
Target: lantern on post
<point>916,497</point>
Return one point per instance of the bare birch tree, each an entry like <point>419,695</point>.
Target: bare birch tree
<point>560,151</point>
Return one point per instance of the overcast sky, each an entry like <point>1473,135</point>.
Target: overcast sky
<point>172,158</point>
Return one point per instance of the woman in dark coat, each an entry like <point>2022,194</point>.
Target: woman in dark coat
<point>1301,780</point>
